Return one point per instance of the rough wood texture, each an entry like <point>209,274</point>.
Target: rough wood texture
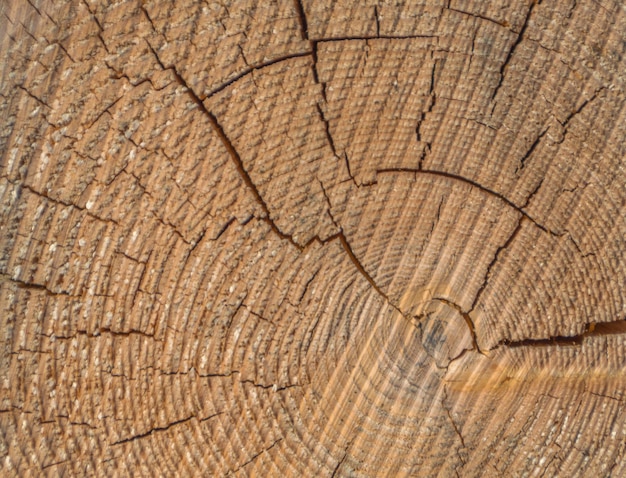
<point>317,238</point>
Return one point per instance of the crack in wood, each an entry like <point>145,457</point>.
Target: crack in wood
<point>304,27</point>
<point>602,395</point>
<point>307,284</point>
<point>566,121</point>
<point>516,43</point>
<point>343,458</point>
<point>373,37</point>
<point>364,273</point>
<point>100,27</point>
<point>377,20</point>
<point>104,330</point>
<point>503,198</point>
<point>273,386</point>
<point>147,15</point>
<point>163,428</point>
<point>254,457</point>
<point>56,463</point>
<point>482,17</point>
<point>493,262</point>
<point>251,70</point>
<point>449,414</point>
<point>533,146</point>
<point>23,284</point>
<point>234,155</point>
<point>593,329</point>
<point>468,321</point>
<point>431,105</point>
<point>62,202</point>
<point>33,96</point>
<point>327,130</point>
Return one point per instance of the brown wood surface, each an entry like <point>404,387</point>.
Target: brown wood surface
<point>316,238</point>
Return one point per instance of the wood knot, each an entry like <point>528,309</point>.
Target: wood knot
<point>445,335</point>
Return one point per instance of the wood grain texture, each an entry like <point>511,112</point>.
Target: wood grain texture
<point>312,238</point>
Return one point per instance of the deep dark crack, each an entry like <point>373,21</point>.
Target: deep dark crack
<point>593,329</point>
<point>516,43</point>
<point>528,154</point>
<point>304,26</point>
<point>234,155</point>
<point>327,130</point>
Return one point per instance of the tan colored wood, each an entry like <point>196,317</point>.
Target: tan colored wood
<point>316,238</point>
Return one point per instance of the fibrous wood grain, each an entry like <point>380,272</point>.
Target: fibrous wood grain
<point>313,238</point>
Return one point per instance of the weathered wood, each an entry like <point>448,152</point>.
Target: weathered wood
<point>317,238</point>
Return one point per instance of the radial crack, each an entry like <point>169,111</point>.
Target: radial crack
<point>482,17</point>
<point>147,15</point>
<point>329,137</point>
<point>523,159</point>
<point>610,397</point>
<point>22,284</point>
<point>456,429</point>
<point>254,457</point>
<point>504,246</point>
<point>106,330</point>
<point>454,425</point>
<point>153,430</point>
<point>518,40</point>
<point>339,463</point>
<point>347,163</point>
<point>377,20</point>
<point>593,329</point>
<point>304,27</point>
<point>364,273</point>
<point>236,158</point>
<point>33,96</point>
<point>330,213</point>
<point>378,37</point>
<point>56,463</point>
<point>581,107</point>
<point>343,458</point>
<point>273,386</point>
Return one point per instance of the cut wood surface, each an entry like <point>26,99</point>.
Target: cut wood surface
<point>313,238</point>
